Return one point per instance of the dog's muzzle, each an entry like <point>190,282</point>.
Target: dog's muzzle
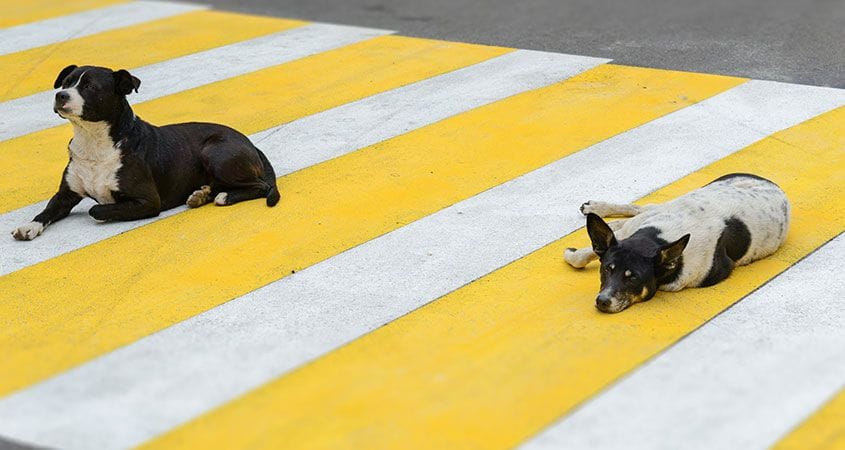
<point>611,303</point>
<point>60,105</point>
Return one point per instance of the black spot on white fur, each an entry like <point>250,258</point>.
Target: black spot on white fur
<point>732,245</point>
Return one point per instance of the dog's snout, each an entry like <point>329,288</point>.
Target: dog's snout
<point>62,97</point>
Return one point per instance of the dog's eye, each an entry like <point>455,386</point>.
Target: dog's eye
<point>631,276</point>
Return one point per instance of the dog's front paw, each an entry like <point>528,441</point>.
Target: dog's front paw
<point>98,212</point>
<point>569,255</point>
<point>28,232</point>
<point>220,199</point>
<point>586,208</point>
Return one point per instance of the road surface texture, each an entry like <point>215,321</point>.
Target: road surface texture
<point>409,291</point>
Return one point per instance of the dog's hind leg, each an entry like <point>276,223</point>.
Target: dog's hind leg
<point>579,258</point>
<point>236,169</point>
<point>232,196</point>
<point>604,209</point>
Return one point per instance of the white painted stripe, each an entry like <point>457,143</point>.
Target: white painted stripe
<point>255,338</point>
<point>32,113</point>
<point>51,31</point>
<point>742,380</point>
<point>327,135</point>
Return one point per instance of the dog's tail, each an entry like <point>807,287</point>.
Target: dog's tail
<point>273,196</point>
<point>269,178</point>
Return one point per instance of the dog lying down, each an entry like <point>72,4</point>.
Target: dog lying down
<point>692,241</point>
<point>135,170</point>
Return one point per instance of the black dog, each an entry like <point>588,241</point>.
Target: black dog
<point>135,170</point>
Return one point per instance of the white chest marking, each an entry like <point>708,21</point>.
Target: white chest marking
<point>94,162</point>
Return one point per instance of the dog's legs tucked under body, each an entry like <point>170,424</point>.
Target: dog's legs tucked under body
<point>604,209</point>
<point>237,171</point>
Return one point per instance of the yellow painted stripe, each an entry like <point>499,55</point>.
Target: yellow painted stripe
<point>31,165</point>
<point>69,309</point>
<point>824,430</point>
<point>36,69</point>
<point>492,363</point>
<point>18,12</point>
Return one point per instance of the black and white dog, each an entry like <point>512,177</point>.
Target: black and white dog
<point>692,241</point>
<point>135,170</point>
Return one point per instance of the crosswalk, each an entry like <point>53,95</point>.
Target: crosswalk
<point>408,291</point>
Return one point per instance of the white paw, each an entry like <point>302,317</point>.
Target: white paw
<point>220,200</point>
<point>578,258</point>
<point>569,255</point>
<point>28,232</point>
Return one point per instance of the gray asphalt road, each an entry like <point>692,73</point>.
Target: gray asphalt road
<point>6,444</point>
<point>799,41</point>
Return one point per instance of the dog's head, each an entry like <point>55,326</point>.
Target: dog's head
<point>92,94</point>
<point>630,269</point>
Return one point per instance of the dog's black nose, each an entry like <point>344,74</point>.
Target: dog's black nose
<point>603,302</point>
<point>62,97</point>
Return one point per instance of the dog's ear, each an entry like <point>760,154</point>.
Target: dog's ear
<point>600,233</point>
<point>668,256</point>
<point>62,75</point>
<point>125,82</point>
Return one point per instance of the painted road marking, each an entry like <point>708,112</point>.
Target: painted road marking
<point>822,431</point>
<point>363,301</point>
<point>180,74</point>
<point>29,164</point>
<point>417,105</point>
<point>468,369</point>
<point>316,187</point>
<point>335,214</point>
<point>724,385</point>
<point>367,66</point>
<point>50,31</point>
<point>34,71</point>
<point>16,12</point>
<point>488,365</point>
